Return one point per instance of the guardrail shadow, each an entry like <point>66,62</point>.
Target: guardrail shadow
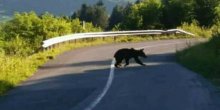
<point>169,57</point>
<point>90,63</point>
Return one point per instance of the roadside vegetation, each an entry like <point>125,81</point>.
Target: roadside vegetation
<point>204,58</point>
<point>21,37</point>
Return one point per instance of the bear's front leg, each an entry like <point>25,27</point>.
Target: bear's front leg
<point>118,65</point>
<point>139,61</point>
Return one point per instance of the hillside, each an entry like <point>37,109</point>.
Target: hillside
<point>57,7</point>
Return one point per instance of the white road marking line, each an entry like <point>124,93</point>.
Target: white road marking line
<point>111,77</point>
<point>106,88</point>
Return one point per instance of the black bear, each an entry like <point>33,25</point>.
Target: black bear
<point>126,54</point>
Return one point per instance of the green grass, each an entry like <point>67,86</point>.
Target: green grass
<point>15,69</point>
<point>203,59</point>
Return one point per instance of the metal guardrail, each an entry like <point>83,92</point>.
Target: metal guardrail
<point>70,37</point>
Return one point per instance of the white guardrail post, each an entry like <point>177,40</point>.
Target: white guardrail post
<point>57,40</point>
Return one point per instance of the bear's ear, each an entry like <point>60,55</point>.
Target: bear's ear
<point>132,48</point>
<point>141,49</point>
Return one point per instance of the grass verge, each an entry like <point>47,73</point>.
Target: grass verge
<point>204,59</point>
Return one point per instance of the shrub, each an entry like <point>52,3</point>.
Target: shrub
<point>23,35</point>
<point>204,59</point>
<point>216,37</point>
<point>18,46</point>
<point>196,29</point>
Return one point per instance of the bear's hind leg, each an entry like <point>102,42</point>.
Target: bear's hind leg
<point>126,62</point>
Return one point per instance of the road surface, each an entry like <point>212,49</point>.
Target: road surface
<point>82,79</point>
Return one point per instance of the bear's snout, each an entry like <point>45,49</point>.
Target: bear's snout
<point>145,56</point>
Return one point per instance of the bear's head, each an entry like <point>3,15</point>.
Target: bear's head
<point>141,53</point>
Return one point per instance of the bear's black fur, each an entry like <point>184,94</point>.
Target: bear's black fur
<point>126,54</point>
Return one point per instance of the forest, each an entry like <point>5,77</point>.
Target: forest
<point>151,14</point>
<point>21,36</point>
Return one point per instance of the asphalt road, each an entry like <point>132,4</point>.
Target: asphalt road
<point>75,80</point>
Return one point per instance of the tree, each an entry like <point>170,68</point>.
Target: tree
<point>205,11</point>
<point>151,11</point>
<point>1,34</point>
<point>217,12</point>
<point>117,16</point>
<point>100,3</point>
<point>144,15</point>
<point>138,1</point>
<point>177,11</point>
<point>96,14</point>
<point>100,17</point>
